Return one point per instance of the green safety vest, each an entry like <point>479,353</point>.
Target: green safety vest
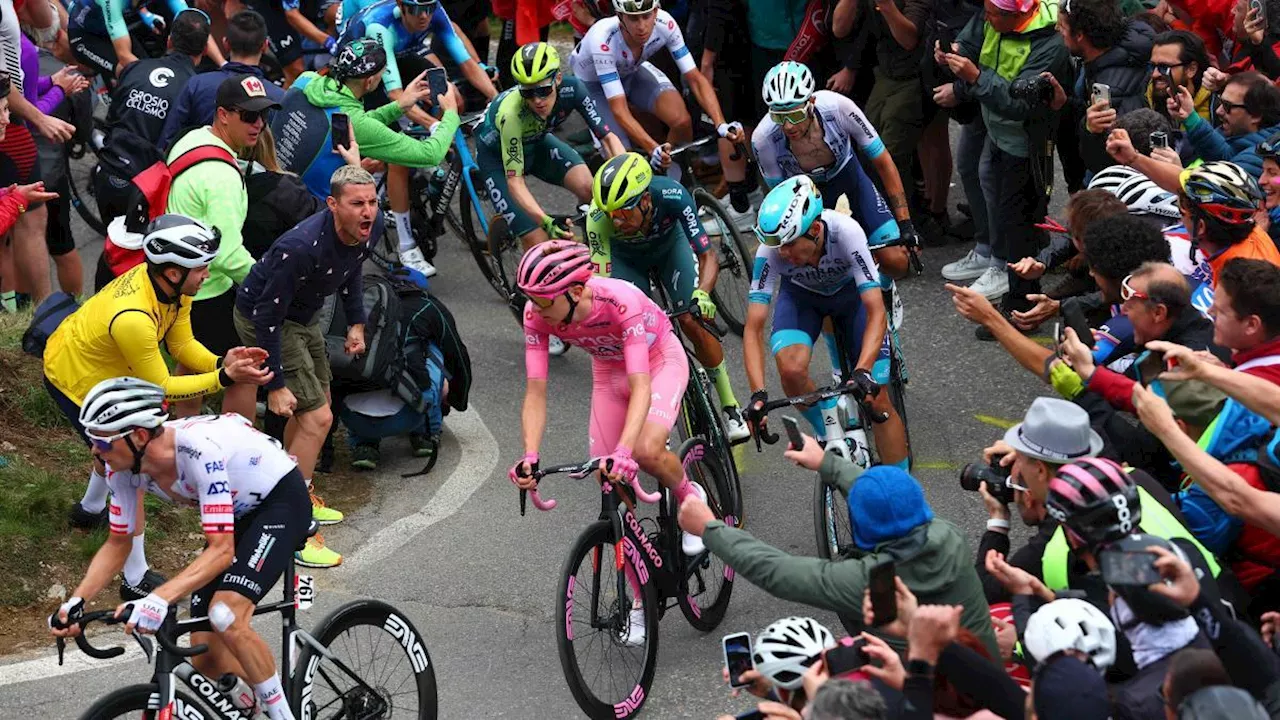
<point>1156,520</point>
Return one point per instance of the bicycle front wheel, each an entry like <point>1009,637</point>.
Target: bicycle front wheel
<point>734,281</point>
<point>831,520</point>
<point>609,672</point>
<point>707,581</point>
<point>136,701</point>
<point>377,666</point>
<point>80,172</point>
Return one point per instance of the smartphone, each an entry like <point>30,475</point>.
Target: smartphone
<point>340,129</point>
<point>1073,316</point>
<point>843,658</point>
<point>1150,365</point>
<point>737,657</point>
<point>750,715</point>
<point>438,81</point>
<point>793,432</point>
<point>1057,338</point>
<point>1100,92</point>
<point>944,36</point>
<point>884,599</point>
<point>1159,139</point>
<point>1122,567</point>
<point>1257,7</point>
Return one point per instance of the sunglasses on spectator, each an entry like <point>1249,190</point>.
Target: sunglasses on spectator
<point>1227,106</point>
<point>537,91</point>
<point>1127,292</point>
<point>542,302</point>
<point>250,117</point>
<point>103,444</point>
<point>1009,483</point>
<point>790,117</point>
<point>1163,68</point>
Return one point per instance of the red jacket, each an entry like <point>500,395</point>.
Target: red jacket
<point>1253,543</point>
<point>1262,361</point>
<point>1211,20</point>
<point>12,204</point>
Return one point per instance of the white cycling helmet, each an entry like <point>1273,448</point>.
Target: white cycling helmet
<point>634,7</point>
<point>1144,197</point>
<point>787,85</point>
<point>1110,179</point>
<point>1071,624</point>
<point>178,240</point>
<point>785,649</point>
<point>123,403</point>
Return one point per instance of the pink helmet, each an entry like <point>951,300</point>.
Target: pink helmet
<point>1095,498</point>
<point>550,268</point>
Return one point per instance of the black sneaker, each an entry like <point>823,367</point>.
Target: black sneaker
<point>85,520</point>
<point>365,457</point>
<point>150,581</point>
<point>422,445</point>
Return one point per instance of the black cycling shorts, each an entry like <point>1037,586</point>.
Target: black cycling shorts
<point>96,51</point>
<point>284,41</point>
<point>265,541</point>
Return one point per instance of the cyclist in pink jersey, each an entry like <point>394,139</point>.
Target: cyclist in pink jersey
<point>639,369</point>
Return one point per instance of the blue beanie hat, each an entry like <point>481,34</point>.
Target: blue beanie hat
<point>886,503</point>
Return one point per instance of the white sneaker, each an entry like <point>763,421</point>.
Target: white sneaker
<point>969,267</point>
<point>735,425</point>
<point>634,635</point>
<point>692,544</point>
<point>993,284</point>
<point>741,220</point>
<point>413,258</point>
<point>556,346</point>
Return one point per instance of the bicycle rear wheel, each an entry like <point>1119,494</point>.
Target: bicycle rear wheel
<point>135,701</point>
<point>506,252</point>
<point>708,584</point>
<point>607,678</point>
<point>378,667</point>
<point>80,171</point>
<point>734,281</point>
<point>471,227</point>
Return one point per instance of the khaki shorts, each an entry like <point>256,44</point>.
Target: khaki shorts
<point>306,363</point>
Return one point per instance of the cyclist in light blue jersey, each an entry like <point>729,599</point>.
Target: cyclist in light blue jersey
<point>99,36</point>
<point>817,265</point>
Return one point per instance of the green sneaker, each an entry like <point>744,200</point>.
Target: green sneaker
<point>316,555</point>
<point>322,513</point>
<point>422,445</point>
<point>365,457</point>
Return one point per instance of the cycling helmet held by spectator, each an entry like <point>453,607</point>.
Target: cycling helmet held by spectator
<point>634,7</point>
<point>1096,500</point>
<point>788,211</point>
<point>358,59</point>
<point>1071,624</point>
<point>785,649</point>
<point>1223,192</point>
<point>1144,197</point>
<point>621,181</point>
<point>788,85</point>
<point>173,239</point>
<point>1110,179</point>
<point>552,267</point>
<point>535,63</point>
<point>120,404</point>
<point>1269,149</point>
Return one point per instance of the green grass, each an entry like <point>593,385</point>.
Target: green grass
<point>33,511</point>
<point>11,328</point>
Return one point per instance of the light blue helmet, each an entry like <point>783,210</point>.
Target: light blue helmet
<point>788,211</point>
<point>787,85</point>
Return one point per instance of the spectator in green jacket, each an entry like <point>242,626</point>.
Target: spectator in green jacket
<point>891,521</point>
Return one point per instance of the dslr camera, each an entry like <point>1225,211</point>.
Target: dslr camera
<point>1035,89</point>
<point>975,474</point>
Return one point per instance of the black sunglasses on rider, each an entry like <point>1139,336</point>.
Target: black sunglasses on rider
<point>537,91</point>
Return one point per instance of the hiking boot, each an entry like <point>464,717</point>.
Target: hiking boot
<point>85,520</point>
<point>150,581</point>
<point>322,513</point>
<point>365,456</point>
<point>422,445</point>
<point>316,555</point>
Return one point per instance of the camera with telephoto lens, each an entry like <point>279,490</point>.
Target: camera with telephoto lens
<point>974,474</point>
<point>1035,89</point>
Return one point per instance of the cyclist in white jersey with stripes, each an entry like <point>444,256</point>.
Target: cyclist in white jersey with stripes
<point>254,509</point>
<point>612,60</point>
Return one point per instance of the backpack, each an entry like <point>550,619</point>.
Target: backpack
<point>277,202</point>
<point>379,366</point>
<point>48,317</point>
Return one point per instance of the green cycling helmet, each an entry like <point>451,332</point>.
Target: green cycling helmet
<point>535,63</point>
<point>621,181</point>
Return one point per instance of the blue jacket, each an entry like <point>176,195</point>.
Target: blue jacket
<point>1209,144</point>
<point>196,104</point>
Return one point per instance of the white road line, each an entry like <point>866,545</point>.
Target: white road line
<point>479,456</point>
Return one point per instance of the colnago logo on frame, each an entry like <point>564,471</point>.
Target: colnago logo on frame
<point>216,700</point>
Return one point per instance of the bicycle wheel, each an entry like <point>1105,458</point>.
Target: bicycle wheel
<point>707,586</point>
<point>79,173</point>
<point>698,418</point>
<point>472,228</point>
<point>607,678</point>
<point>377,666</point>
<point>734,281</point>
<point>134,702</point>
<point>506,252</point>
<point>831,520</point>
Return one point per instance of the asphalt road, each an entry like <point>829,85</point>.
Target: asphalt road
<point>479,581</point>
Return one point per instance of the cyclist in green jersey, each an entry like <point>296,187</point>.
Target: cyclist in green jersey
<point>640,224</point>
<point>515,139</point>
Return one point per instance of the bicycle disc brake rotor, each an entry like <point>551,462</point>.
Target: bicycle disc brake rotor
<point>360,703</point>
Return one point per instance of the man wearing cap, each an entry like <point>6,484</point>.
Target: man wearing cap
<point>213,192</point>
<point>891,521</point>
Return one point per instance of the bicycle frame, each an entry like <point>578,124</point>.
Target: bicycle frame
<point>460,171</point>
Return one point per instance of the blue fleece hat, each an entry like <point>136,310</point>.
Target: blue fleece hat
<point>886,503</point>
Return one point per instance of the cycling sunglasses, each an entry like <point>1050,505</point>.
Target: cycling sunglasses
<point>625,211</point>
<point>103,444</point>
<point>1127,292</point>
<point>790,117</point>
<point>773,241</point>
<point>542,302</point>
<point>530,92</point>
<point>418,8</point>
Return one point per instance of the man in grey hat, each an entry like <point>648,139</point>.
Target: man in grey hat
<point>1054,433</point>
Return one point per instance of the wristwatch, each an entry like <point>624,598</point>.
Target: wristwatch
<point>919,667</point>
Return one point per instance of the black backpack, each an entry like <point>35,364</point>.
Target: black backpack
<point>379,366</point>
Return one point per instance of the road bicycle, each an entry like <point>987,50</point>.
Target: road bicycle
<point>595,598</point>
<point>365,660</point>
<point>504,252</point>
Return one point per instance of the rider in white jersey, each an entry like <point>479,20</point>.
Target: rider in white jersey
<point>254,509</point>
<point>612,60</point>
